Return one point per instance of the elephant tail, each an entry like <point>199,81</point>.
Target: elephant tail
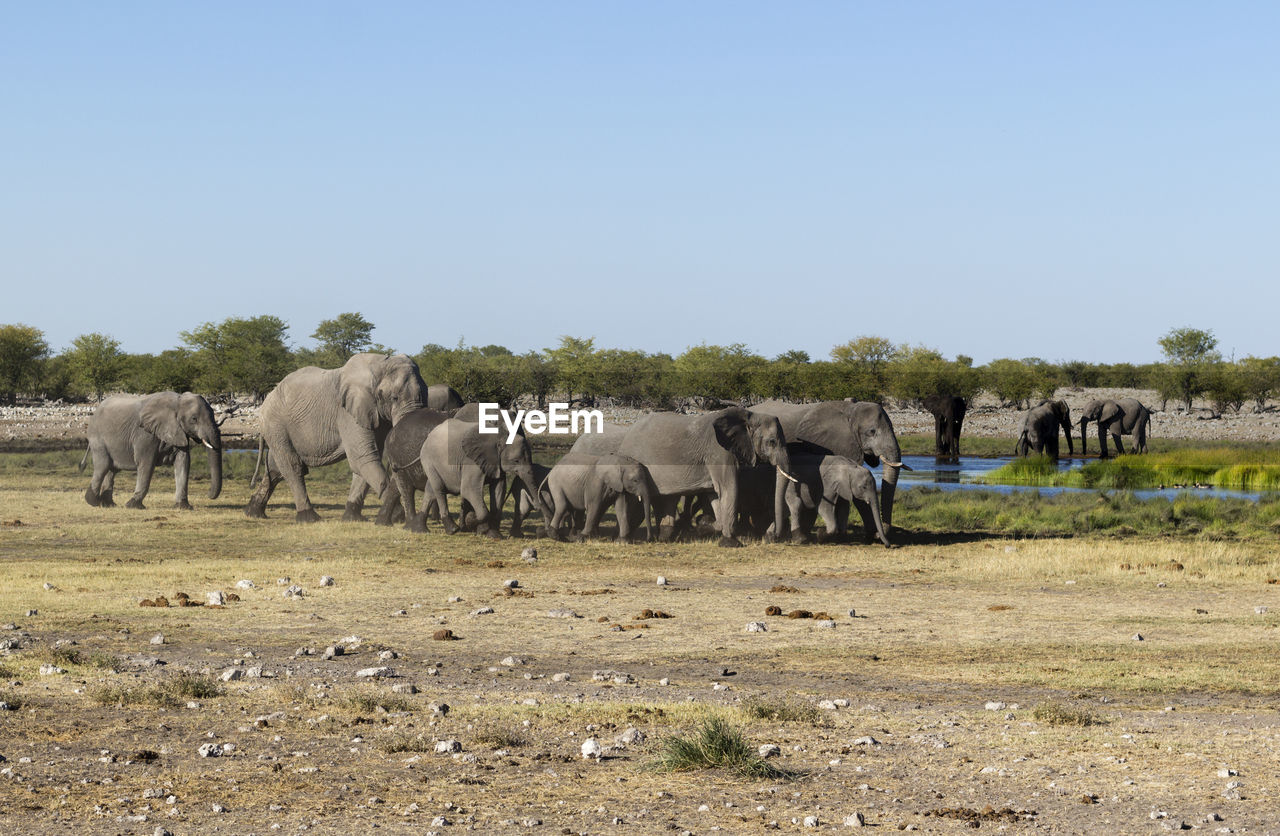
<point>84,460</point>
<point>256,465</point>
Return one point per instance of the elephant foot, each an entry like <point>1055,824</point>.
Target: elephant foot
<point>183,506</point>
<point>384,519</point>
<point>397,513</point>
<point>666,533</point>
<point>106,500</point>
<point>417,524</point>
<point>353,513</point>
<point>517,532</point>
<point>799,537</point>
<point>450,527</point>
<point>255,512</point>
<point>489,531</point>
<point>134,502</point>
<point>92,498</point>
<point>729,543</point>
<point>307,515</point>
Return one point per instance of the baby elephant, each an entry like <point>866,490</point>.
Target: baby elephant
<point>822,483</point>
<point>590,483</point>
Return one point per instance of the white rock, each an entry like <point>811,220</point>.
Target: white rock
<point>811,821</point>
<point>374,673</point>
<point>591,748</point>
<point>996,706</point>
<point>325,580</point>
<point>855,820</point>
<point>1260,610</point>
<point>1227,773</point>
<point>510,584</point>
<point>826,624</point>
<point>529,553</point>
<point>216,599</point>
<point>51,670</point>
<point>285,581</point>
<point>388,655</point>
<point>158,638</point>
<point>245,584</point>
<point>512,661</point>
<point>662,580</point>
<point>454,599</point>
<point>757,627</point>
<point>866,741</point>
<point>769,750</point>
<point>1138,637</point>
<point>232,674</point>
<point>561,677</point>
<point>484,611</point>
<point>827,705</point>
<point>444,747</point>
<point>212,750</point>
<point>293,591</point>
<point>631,736</point>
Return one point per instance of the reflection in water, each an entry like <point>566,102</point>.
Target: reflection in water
<point>963,474</point>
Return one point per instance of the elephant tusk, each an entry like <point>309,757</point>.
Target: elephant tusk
<point>788,475</point>
<point>206,444</point>
<point>887,463</point>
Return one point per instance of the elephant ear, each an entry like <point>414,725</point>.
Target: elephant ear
<point>734,435</point>
<point>483,451</point>
<point>356,385</point>
<point>159,416</point>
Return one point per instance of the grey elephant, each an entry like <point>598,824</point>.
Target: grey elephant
<point>822,483</point>
<point>1126,416</point>
<point>948,419</point>
<point>316,417</point>
<point>601,443</point>
<point>458,459</point>
<point>1040,428</point>
<point>138,432</point>
<point>443,397</point>
<point>403,450</point>
<point>588,483</point>
<point>696,454</point>
<point>857,430</point>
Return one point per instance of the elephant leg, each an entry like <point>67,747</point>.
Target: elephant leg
<point>293,470</point>
<point>560,501</point>
<point>665,509</point>
<point>727,510</point>
<point>1102,441</point>
<point>354,509</point>
<point>795,507</point>
<point>484,517</point>
<point>1115,436</point>
<point>391,501</point>
<point>181,472</point>
<point>435,493</point>
<point>257,505</point>
<point>146,467</point>
<point>841,519</point>
<point>830,518</point>
<point>869,532</point>
<point>98,483</point>
<point>106,496</point>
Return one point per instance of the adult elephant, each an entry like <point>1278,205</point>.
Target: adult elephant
<point>695,454</point>
<point>319,416</point>
<point>857,430</point>
<point>602,443</point>
<point>588,483</point>
<point>948,418</point>
<point>137,432</point>
<point>1126,416</point>
<point>1040,427</point>
<point>458,459</point>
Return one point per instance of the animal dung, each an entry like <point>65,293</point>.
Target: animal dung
<point>783,588</point>
<point>773,610</point>
<point>646,614</point>
<point>444,636</point>
<point>800,614</point>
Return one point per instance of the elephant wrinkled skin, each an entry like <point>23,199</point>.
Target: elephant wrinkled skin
<point>589,483</point>
<point>1040,428</point>
<point>824,481</point>
<point>1126,416</point>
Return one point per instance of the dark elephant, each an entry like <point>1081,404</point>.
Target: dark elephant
<point>948,418</point>
<point>696,454</point>
<point>138,432</point>
<point>1126,416</point>
<point>443,397</point>
<point>404,451</point>
<point>1040,428</point>
<point>822,483</point>
<point>319,416</point>
<point>859,430</point>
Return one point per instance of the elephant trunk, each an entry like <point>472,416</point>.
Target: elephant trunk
<point>648,514</point>
<point>891,457</point>
<point>1084,438</point>
<point>783,462</point>
<point>215,472</point>
<point>880,526</point>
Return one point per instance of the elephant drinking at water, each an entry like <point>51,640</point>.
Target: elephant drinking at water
<point>1040,428</point>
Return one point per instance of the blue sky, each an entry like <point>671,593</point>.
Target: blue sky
<point>997,179</point>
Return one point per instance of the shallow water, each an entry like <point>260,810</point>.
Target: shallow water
<point>964,475</point>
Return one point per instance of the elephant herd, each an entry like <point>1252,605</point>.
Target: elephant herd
<point>765,470</point>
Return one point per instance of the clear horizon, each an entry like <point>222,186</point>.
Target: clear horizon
<point>996,180</point>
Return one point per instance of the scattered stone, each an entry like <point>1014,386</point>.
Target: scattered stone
<point>769,750</point>
<point>293,591</point>
<point>512,661</point>
<point>510,584</point>
<point>855,820</point>
<point>827,705</point>
<point>400,612</point>
<point>334,650</point>
<point>630,737</point>
<point>1138,637</point>
<point>232,674</point>
<point>1260,610</point>
<point>662,580</point>
<point>50,587</point>
<point>561,677</point>
<point>996,706</point>
<point>811,821</point>
<point>483,611</point>
<point>215,750</point>
<point>853,613</point>
<point>866,741</point>
<point>374,673</point>
<point>158,638</point>
<point>440,821</point>
<point>441,708</point>
<point>591,748</point>
<point>757,627</point>
<point>285,581</point>
<point>455,599</point>
<point>245,584</point>
<point>325,580</point>
<point>404,688</point>
<point>562,614</point>
<point>826,624</point>
<point>215,599</point>
<point>664,681</point>
<point>32,613</point>
<point>388,655</point>
<point>51,670</point>
<point>445,747</point>
<point>529,554</point>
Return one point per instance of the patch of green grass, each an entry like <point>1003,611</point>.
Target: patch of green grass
<point>1249,467</point>
<point>370,701</point>
<point>781,710</point>
<point>397,743</point>
<point>1057,714</point>
<point>500,736</point>
<point>70,655</point>
<point>715,745</point>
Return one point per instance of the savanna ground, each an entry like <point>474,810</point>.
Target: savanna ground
<point>1098,731</point>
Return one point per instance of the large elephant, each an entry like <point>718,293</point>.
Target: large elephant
<point>584,482</point>
<point>458,459</point>
<point>1040,427</point>
<point>404,451</point>
<point>318,416</point>
<point>1126,416</point>
<point>822,483</point>
<point>696,454</point>
<point>948,418</point>
<point>601,443</point>
<point>857,430</point>
<point>137,432</point>
<point>443,397</point>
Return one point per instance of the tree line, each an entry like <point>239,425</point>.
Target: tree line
<point>246,357</point>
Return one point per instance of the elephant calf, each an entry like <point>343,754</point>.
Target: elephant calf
<point>1040,428</point>
<point>581,481</point>
<point>138,432</point>
<point>822,483</point>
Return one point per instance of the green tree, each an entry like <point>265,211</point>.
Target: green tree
<point>241,355</point>
<point>1224,383</point>
<point>717,371</point>
<point>574,361</point>
<point>870,359</point>
<point>1188,354</point>
<point>23,351</point>
<point>1012,381</point>
<point>1261,378</point>
<point>96,362</point>
<point>341,337</point>
<point>915,373</point>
